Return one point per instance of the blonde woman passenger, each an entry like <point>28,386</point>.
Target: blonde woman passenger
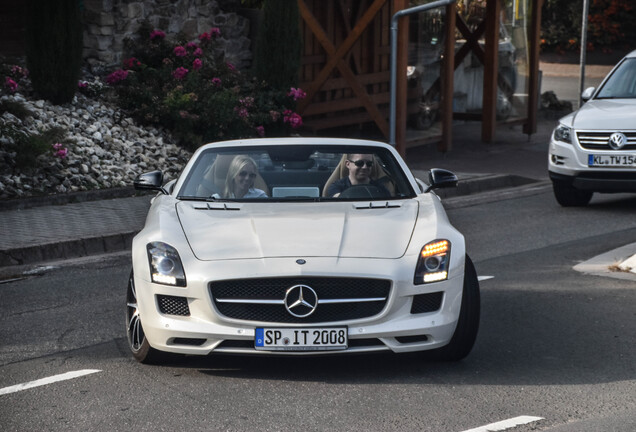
<point>239,182</point>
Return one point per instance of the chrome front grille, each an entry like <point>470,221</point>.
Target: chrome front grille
<point>338,299</point>
<point>600,140</point>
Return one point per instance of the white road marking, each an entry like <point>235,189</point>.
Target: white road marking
<point>506,424</point>
<point>483,278</point>
<point>46,381</point>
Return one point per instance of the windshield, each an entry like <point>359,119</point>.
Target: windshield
<point>295,172</point>
<point>622,82</point>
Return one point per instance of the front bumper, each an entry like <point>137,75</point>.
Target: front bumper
<point>395,328</point>
<point>569,163</point>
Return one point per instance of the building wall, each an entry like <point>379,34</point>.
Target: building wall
<point>109,22</point>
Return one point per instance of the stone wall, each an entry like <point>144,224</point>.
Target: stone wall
<point>109,22</point>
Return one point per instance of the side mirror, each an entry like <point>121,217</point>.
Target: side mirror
<point>441,178</point>
<point>587,93</point>
<point>150,181</point>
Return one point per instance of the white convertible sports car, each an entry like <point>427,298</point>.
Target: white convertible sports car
<point>297,246</point>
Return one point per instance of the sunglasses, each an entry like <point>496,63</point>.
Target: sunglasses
<point>246,174</point>
<point>360,163</point>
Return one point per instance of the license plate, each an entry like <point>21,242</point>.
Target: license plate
<point>611,160</point>
<point>301,339</point>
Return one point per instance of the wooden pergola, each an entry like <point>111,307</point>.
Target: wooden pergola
<point>345,67</point>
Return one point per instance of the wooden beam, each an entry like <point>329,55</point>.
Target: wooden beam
<point>336,56</point>
<point>472,39</point>
<point>448,77</point>
<point>533,66</point>
<point>491,67</point>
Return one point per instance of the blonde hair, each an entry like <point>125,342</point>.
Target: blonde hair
<point>237,164</point>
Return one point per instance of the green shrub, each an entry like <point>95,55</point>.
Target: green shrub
<point>190,89</point>
<point>278,50</point>
<point>610,25</point>
<point>15,108</point>
<point>54,48</point>
<point>29,147</point>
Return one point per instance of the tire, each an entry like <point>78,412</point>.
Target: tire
<point>465,334</point>
<point>137,342</point>
<point>569,196</point>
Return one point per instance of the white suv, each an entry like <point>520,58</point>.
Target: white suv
<point>594,148</point>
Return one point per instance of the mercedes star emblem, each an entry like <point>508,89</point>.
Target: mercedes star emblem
<point>617,140</point>
<point>301,301</point>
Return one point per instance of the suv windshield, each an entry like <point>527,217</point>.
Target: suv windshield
<point>295,172</point>
<point>622,82</point>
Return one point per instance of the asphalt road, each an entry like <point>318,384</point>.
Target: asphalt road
<point>553,343</point>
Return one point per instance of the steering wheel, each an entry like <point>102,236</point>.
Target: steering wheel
<point>364,191</point>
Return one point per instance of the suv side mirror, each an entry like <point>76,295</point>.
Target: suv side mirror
<point>441,178</point>
<point>150,181</point>
<point>587,93</point>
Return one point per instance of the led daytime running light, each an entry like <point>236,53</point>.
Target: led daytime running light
<point>435,277</point>
<point>433,249</point>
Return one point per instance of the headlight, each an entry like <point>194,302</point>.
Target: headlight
<point>563,133</point>
<point>165,264</point>
<point>432,265</point>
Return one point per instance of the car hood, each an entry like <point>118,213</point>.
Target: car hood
<point>604,114</point>
<point>219,231</point>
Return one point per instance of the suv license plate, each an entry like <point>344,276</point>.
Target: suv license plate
<point>301,339</point>
<point>611,160</point>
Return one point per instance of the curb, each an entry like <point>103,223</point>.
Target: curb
<point>69,198</point>
<point>67,249</point>
<point>601,265</point>
<point>485,183</point>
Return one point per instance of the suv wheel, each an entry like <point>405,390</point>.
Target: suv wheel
<point>569,196</point>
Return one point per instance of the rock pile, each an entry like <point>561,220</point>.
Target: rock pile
<point>104,149</point>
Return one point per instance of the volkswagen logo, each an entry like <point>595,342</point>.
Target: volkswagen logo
<point>617,141</point>
<point>301,301</point>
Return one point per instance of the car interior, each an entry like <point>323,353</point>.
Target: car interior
<point>291,172</point>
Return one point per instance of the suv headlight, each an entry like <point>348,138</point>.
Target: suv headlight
<point>165,264</point>
<point>563,133</point>
<point>432,265</point>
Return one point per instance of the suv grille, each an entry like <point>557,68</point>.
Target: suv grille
<point>339,299</point>
<point>600,140</point>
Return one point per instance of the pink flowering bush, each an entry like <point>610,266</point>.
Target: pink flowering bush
<point>117,76</point>
<point>10,85</point>
<point>293,119</point>
<point>180,51</point>
<point>297,93</point>
<point>131,63</point>
<point>59,150</point>
<point>15,78</point>
<point>190,88</point>
<point>157,35</point>
<point>92,88</point>
<point>180,73</point>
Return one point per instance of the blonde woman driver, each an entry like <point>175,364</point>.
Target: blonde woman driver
<point>239,182</point>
